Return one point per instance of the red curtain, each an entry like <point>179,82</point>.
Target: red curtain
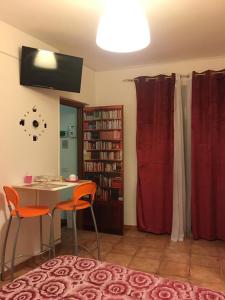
<point>155,104</point>
<point>208,155</point>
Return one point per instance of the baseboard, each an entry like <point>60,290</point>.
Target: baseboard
<point>129,227</point>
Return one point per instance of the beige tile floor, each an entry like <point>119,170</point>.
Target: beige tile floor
<point>199,262</point>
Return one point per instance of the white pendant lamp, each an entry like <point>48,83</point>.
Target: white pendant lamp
<point>45,59</point>
<point>123,27</point>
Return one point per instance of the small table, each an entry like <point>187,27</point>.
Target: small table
<point>50,186</point>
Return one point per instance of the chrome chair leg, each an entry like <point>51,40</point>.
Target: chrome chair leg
<point>4,248</point>
<point>96,231</point>
<point>52,234</point>
<point>14,247</point>
<point>73,227</point>
<point>75,232</point>
<point>41,235</point>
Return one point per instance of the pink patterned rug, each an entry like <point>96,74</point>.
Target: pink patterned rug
<point>76,278</point>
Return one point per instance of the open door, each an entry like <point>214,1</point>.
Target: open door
<point>71,146</point>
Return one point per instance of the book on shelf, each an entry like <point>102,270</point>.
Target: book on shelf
<point>116,183</point>
<point>87,155</point>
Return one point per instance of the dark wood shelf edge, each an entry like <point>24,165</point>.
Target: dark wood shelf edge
<point>103,150</point>
<point>104,140</point>
<point>106,107</point>
<point>102,172</point>
<point>99,160</point>
<point>106,129</point>
<point>101,119</point>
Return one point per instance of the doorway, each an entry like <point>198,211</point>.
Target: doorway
<point>68,151</point>
<point>71,147</point>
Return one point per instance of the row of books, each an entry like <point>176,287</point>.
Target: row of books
<point>102,167</point>
<point>98,125</point>
<point>105,181</point>
<point>103,114</point>
<point>106,195</point>
<point>101,145</point>
<point>111,155</point>
<point>102,194</point>
<point>110,135</point>
<point>103,155</point>
<point>110,182</point>
<point>103,135</point>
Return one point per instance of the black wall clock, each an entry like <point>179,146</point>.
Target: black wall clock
<point>33,124</point>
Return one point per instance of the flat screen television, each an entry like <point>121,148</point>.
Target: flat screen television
<point>51,70</point>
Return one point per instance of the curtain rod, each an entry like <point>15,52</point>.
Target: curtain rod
<point>182,76</point>
<point>153,77</point>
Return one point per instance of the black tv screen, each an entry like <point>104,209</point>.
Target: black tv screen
<point>51,70</point>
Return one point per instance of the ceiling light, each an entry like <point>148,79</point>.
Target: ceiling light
<point>123,27</point>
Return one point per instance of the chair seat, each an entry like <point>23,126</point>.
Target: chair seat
<point>31,211</point>
<point>69,205</point>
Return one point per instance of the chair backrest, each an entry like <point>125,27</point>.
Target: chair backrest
<point>84,189</point>
<point>12,197</point>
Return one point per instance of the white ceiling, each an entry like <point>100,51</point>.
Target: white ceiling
<point>180,29</point>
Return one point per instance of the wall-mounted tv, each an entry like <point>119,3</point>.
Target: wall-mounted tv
<point>51,70</point>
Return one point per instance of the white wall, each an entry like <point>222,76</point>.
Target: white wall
<point>18,153</point>
<point>111,89</point>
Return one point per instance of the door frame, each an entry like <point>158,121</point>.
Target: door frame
<point>79,106</point>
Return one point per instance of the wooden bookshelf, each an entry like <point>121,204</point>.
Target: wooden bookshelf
<point>103,163</point>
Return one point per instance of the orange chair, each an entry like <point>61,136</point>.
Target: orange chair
<point>78,203</point>
<point>20,213</point>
